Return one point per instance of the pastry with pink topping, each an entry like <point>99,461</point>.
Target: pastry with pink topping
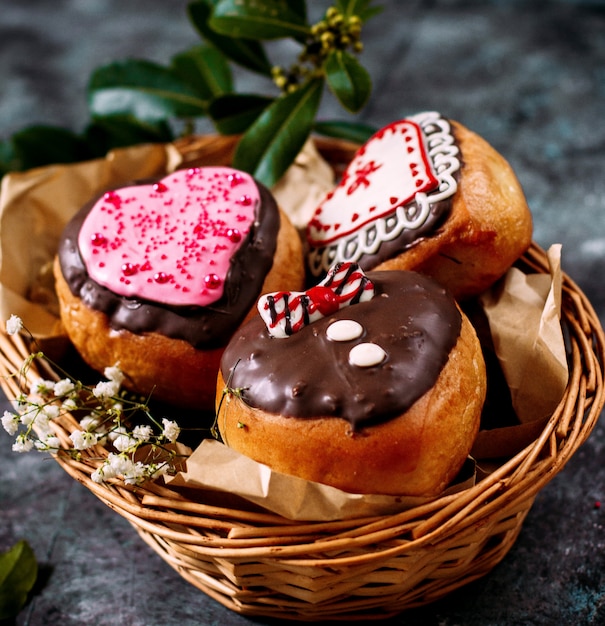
<point>158,275</point>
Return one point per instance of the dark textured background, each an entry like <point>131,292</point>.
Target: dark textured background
<point>530,78</point>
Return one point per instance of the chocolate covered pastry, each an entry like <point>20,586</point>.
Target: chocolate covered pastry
<point>369,383</point>
<point>157,276</point>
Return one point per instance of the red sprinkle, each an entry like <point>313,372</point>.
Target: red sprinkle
<point>160,187</point>
<point>113,198</point>
<point>234,235</point>
<point>212,281</point>
<point>128,269</point>
<point>235,179</point>
<point>161,277</point>
<point>98,240</point>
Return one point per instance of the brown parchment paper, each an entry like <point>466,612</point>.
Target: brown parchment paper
<point>216,467</point>
<point>523,312</point>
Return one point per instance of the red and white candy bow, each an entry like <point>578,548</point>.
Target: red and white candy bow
<point>286,312</point>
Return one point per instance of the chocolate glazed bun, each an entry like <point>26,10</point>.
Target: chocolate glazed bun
<point>172,349</point>
<point>307,405</point>
<point>429,195</point>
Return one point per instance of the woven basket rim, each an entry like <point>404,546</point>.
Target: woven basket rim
<point>209,544</point>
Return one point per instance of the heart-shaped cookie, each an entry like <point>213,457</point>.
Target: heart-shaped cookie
<point>171,241</point>
<point>389,186</point>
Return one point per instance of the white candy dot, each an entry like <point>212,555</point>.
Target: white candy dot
<point>366,355</point>
<point>344,330</point>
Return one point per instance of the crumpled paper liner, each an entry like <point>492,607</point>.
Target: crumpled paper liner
<point>216,467</point>
<point>523,313</point>
<point>524,316</point>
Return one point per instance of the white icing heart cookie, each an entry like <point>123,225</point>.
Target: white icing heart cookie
<point>388,189</point>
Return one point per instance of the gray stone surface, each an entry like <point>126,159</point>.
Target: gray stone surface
<point>530,78</point>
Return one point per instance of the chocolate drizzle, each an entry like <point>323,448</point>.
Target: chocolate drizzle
<point>411,317</point>
<point>203,327</point>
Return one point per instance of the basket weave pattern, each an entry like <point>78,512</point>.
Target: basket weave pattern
<point>260,564</point>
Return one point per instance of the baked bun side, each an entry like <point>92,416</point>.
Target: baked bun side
<point>489,228</point>
<point>417,453</point>
<point>169,368</point>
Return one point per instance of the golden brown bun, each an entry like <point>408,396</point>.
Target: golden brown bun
<point>416,454</point>
<point>489,228</point>
<point>171,369</point>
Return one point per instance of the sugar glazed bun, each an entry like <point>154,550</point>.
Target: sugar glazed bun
<point>425,194</point>
<point>371,384</point>
<point>157,276</point>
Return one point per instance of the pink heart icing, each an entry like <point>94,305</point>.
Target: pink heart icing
<point>172,241</point>
<point>387,172</point>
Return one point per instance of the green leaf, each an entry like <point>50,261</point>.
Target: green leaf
<point>245,52</point>
<point>18,573</point>
<point>270,19</point>
<point>105,133</point>
<point>39,145</point>
<point>144,89</point>
<point>299,7</point>
<point>271,144</point>
<point>361,8</point>
<point>8,159</point>
<point>348,80</point>
<point>205,70</point>
<point>233,114</point>
<point>350,131</point>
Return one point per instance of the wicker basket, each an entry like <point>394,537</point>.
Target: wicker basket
<point>260,564</point>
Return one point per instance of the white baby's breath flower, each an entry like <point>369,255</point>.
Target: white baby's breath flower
<point>83,440</point>
<point>22,443</point>
<point>116,432</point>
<point>29,415</point>
<point>155,471</point>
<point>40,386</point>
<point>98,476</point>
<point>118,463</point>
<point>10,421</point>
<point>48,442</point>
<point>171,430</point>
<point>69,405</point>
<point>90,422</point>
<point>63,387</point>
<point>114,374</point>
<point>124,443</point>
<point>14,325</point>
<point>106,389</point>
<point>142,433</point>
<point>135,474</point>
<point>43,424</point>
<point>51,411</point>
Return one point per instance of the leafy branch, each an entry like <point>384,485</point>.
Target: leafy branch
<point>136,101</point>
